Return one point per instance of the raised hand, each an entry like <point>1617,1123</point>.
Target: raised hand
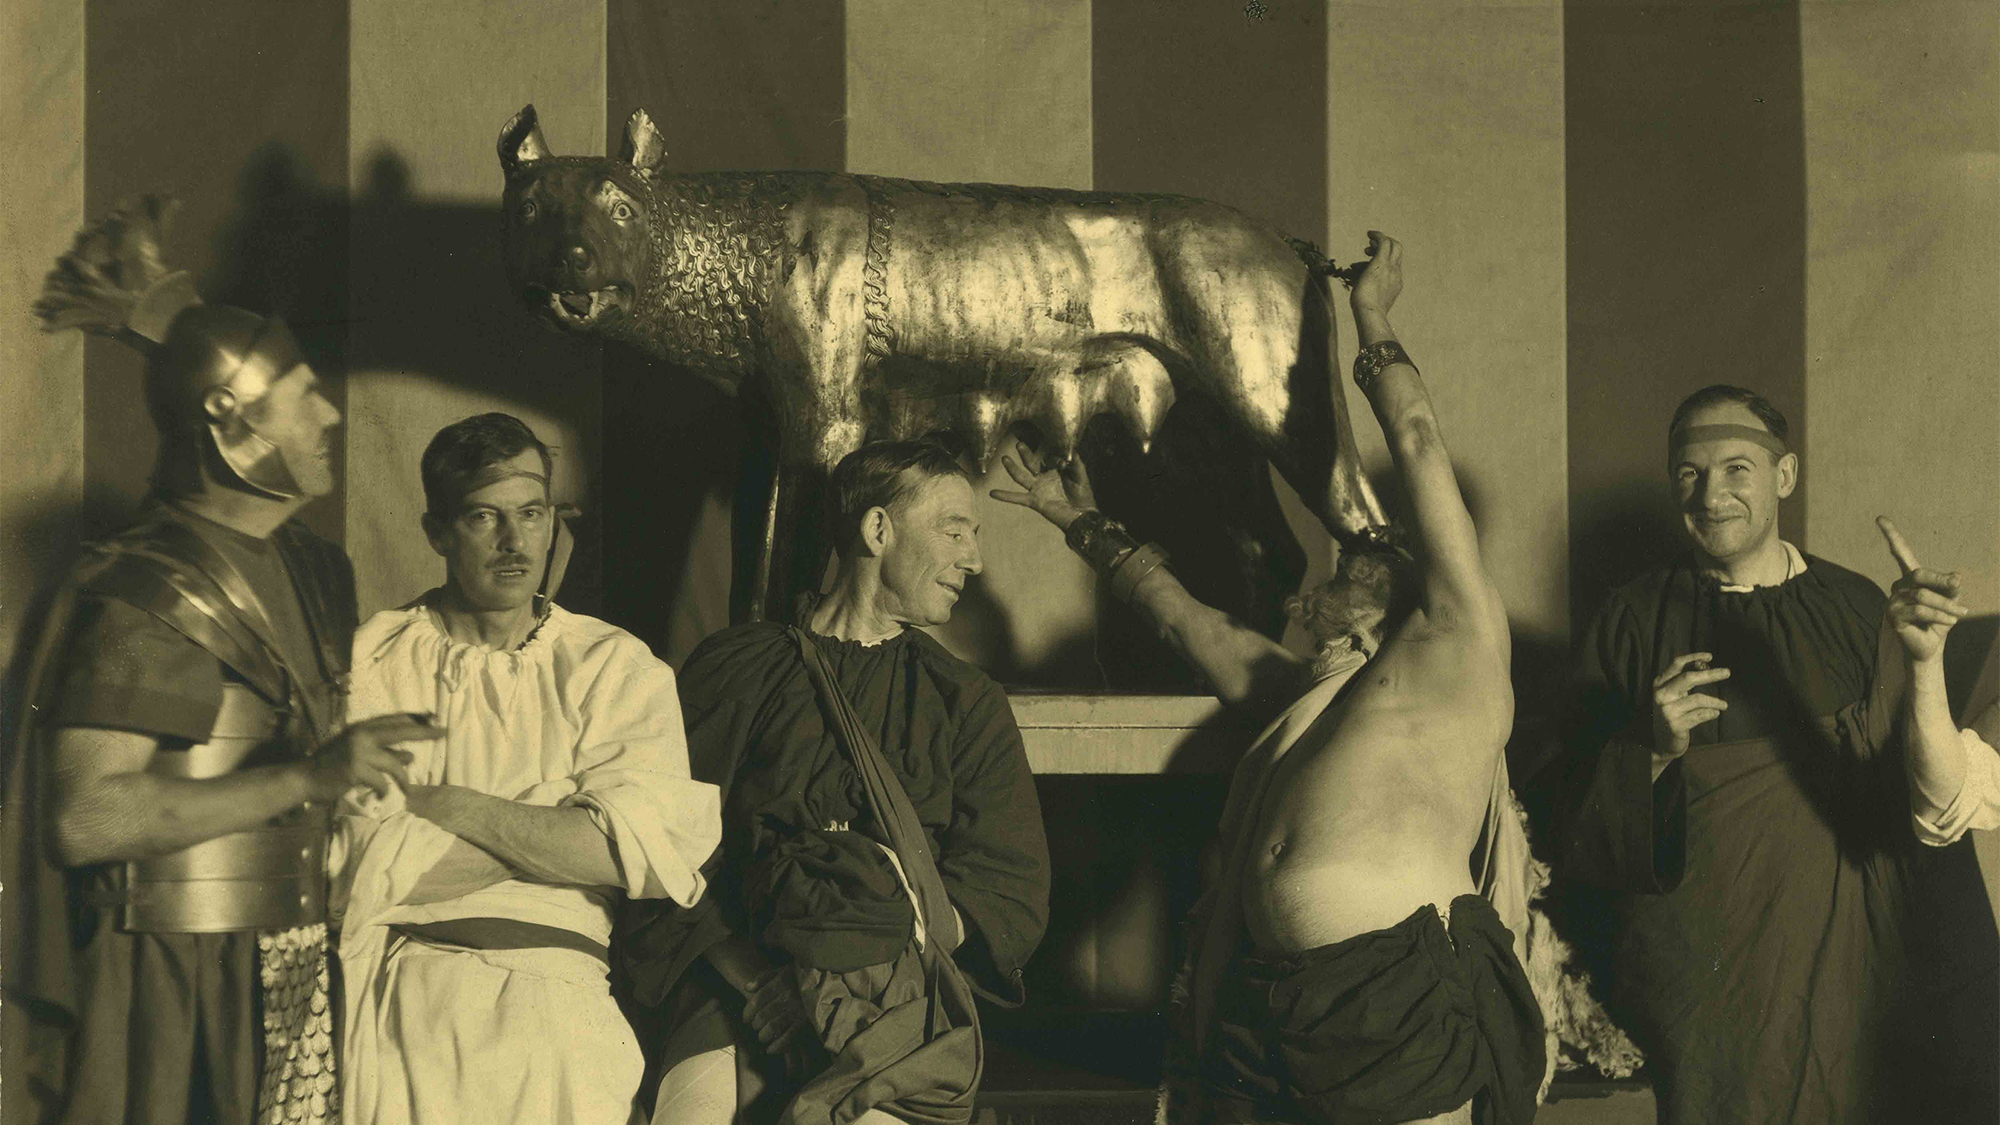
<point>1923,604</point>
<point>1380,281</point>
<point>1060,494</point>
<point>1678,708</point>
<point>361,755</point>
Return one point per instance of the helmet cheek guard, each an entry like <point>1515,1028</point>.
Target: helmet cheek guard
<point>244,450</point>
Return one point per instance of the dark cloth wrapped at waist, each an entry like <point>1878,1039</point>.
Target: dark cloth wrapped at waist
<point>1393,1025</point>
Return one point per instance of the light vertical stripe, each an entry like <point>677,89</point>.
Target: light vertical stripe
<point>41,377</point>
<point>436,334</point>
<point>1903,284</point>
<point>997,91</point>
<point>970,90</point>
<point>1445,129</point>
<point>1686,254</point>
<point>1902,146</point>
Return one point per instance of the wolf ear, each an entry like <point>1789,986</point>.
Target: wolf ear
<point>521,141</point>
<point>644,149</point>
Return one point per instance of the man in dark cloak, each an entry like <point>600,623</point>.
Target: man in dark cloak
<point>165,837</point>
<point>1784,950</point>
<point>806,935</point>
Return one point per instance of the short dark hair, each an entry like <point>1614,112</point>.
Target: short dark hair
<point>465,447</point>
<point>1721,394</point>
<point>882,474</point>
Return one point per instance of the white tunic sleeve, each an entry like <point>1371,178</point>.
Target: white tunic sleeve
<point>632,774</point>
<point>1977,804</point>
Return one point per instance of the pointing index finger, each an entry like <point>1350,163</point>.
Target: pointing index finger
<point>1905,558</point>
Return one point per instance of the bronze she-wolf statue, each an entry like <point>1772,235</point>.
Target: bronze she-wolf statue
<point>853,308</point>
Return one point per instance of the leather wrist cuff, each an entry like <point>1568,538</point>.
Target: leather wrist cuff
<point>1100,540</point>
<point>1137,565</point>
<point>1369,364</point>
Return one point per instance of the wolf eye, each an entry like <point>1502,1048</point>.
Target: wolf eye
<point>621,211</point>
<point>529,210</point>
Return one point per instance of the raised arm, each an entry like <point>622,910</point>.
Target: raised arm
<point>1456,585</point>
<point>1953,777</point>
<point>1245,667</point>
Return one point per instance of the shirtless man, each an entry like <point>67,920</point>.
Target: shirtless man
<point>1345,966</point>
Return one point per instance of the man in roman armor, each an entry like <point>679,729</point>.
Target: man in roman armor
<point>170,784</point>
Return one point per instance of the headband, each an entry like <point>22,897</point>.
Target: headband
<point>1692,435</point>
<point>492,474</point>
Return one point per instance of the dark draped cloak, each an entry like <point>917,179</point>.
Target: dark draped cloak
<point>1780,944</point>
<point>786,875</point>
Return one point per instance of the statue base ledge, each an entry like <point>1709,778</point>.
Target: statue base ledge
<point>1107,733</point>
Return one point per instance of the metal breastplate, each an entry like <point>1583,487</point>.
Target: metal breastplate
<point>269,877</point>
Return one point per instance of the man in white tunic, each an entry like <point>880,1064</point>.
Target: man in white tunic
<point>477,903</point>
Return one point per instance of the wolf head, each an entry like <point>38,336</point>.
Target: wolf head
<point>579,244</point>
<point>679,265</point>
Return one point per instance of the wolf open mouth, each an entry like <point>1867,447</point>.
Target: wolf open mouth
<point>582,309</point>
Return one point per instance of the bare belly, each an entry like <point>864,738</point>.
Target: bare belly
<point>1358,833</point>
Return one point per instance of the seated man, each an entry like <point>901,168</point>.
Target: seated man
<point>809,983</point>
<point>478,902</point>
<point>1345,967</point>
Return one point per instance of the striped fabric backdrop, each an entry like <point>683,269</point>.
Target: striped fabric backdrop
<point>1605,204</point>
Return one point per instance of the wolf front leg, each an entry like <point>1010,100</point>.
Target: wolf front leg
<point>779,538</point>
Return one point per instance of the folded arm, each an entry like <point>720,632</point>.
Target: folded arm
<point>563,846</point>
<point>465,868</point>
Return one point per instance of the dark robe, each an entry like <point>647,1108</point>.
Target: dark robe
<point>1782,948</point>
<point>155,1028</point>
<point>830,900</point>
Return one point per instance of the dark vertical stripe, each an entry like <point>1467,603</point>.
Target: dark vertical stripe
<point>1211,101</point>
<point>753,85</point>
<point>1225,102</point>
<point>1686,201</point>
<point>240,109</point>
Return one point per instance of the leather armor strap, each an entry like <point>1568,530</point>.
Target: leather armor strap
<point>169,571</point>
<point>249,608</point>
<point>889,801</point>
<point>183,598</point>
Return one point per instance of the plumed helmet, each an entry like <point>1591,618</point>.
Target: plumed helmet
<point>113,283</point>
